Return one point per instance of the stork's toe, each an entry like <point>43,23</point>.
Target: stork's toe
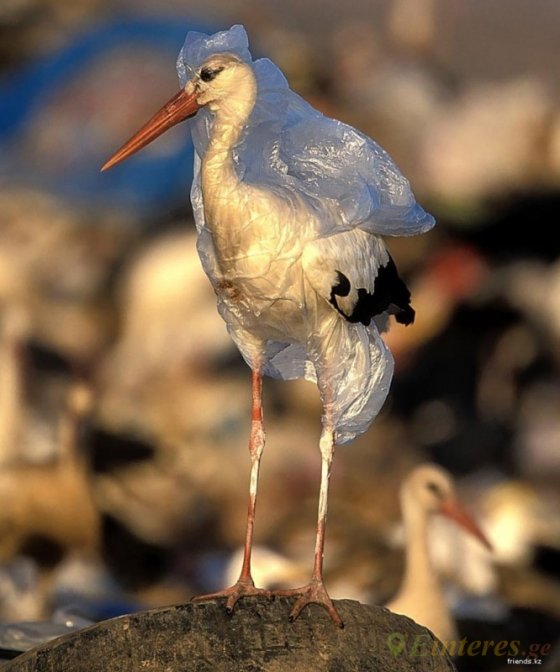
<point>243,588</point>
<point>313,593</point>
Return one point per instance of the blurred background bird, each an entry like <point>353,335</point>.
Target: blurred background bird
<point>465,99</point>
<point>427,491</point>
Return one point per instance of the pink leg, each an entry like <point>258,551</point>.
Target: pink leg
<point>245,586</point>
<point>315,591</point>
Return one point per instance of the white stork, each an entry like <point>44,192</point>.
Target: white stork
<point>428,490</point>
<point>289,207</point>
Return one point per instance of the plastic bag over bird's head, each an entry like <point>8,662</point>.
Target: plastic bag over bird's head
<point>288,142</point>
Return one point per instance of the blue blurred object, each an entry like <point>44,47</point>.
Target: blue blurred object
<point>55,133</point>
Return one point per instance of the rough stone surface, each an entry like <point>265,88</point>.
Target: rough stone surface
<point>258,637</point>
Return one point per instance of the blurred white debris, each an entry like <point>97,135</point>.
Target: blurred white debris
<point>20,598</point>
<point>519,516</point>
<point>488,141</point>
<point>269,569</point>
<point>169,317</point>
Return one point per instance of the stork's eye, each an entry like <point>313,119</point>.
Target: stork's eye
<point>208,74</point>
<point>434,489</point>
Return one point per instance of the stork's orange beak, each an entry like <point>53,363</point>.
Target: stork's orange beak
<point>182,106</point>
<point>456,512</point>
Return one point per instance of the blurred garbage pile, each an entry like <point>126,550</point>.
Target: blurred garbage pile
<point>123,404</point>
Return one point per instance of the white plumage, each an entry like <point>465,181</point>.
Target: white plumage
<point>308,191</point>
<point>289,206</point>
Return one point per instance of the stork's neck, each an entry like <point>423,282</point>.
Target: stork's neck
<point>419,575</point>
<point>230,120</point>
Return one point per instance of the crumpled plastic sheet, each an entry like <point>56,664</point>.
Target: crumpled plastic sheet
<point>323,179</point>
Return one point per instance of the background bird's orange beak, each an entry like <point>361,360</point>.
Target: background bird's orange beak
<point>182,106</point>
<point>455,511</point>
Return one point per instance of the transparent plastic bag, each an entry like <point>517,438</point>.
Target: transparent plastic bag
<point>322,175</point>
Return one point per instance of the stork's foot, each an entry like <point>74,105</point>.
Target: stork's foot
<point>314,593</point>
<point>243,588</point>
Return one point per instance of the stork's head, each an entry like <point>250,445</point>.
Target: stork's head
<point>431,490</point>
<point>223,81</point>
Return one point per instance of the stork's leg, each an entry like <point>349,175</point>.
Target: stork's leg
<point>315,591</point>
<point>245,586</point>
